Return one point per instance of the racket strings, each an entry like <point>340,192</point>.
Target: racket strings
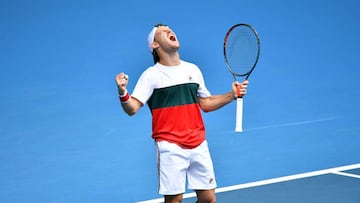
<point>241,50</point>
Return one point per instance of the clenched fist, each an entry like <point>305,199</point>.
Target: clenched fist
<point>239,89</point>
<point>121,82</point>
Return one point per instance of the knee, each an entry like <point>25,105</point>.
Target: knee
<point>207,200</point>
<point>206,196</point>
<point>173,198</point>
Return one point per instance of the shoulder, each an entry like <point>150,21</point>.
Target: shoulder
<point>190,65</point>
<point>151,70</point>
<point>187,63</point>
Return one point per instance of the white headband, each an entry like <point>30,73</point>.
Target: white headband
<point>151,38</point>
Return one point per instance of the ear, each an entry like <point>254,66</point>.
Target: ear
<point>155,45</point>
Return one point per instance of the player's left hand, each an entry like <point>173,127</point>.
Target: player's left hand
<point>240,89</point>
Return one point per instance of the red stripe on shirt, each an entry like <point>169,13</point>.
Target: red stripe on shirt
<point>182,125</point>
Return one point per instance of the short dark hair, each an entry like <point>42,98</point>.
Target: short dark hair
<point>155,55</point>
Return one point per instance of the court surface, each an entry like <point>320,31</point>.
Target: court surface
<point>333,185</point>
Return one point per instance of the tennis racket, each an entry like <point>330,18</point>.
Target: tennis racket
<point>241,54</point>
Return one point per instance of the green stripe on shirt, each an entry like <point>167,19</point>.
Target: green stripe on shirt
<point>174,96</point>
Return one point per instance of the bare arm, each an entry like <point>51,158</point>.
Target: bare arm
<point>132,106</point>
<point>217,101</point>
<point>129,104</point>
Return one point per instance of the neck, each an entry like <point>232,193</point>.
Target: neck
<point>170,59</point>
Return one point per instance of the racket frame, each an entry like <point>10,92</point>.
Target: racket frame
<point>247,74</point>
<point>239,101</point>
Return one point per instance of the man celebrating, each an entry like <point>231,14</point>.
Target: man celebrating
<point>175,92</point>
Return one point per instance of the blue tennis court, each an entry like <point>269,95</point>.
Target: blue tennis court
<point>65,139</point>
<point>330,185</point>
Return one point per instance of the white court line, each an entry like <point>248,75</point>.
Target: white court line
<point>347,174</point>
<point>293,123</point>
<point>335,170</point>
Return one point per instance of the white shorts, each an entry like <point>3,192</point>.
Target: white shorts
<point>176,164</point>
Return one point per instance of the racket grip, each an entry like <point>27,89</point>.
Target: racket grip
<point>239,115</point>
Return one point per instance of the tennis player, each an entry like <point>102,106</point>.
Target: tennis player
<point>175,92</point>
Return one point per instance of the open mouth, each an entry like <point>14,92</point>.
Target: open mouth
<point>172,38</point>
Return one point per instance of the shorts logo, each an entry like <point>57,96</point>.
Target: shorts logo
<point>211,181</point>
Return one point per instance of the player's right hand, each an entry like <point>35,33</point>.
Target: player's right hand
<point>121,80</point>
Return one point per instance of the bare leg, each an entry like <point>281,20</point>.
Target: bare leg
<point>206,196</point>
<point>173,198</point>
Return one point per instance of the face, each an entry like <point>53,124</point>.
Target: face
<point>166,39</point>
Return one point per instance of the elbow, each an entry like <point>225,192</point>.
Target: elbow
<point>131,108</point>
<point>130,113</point>
<point>205,105</point>
<point>205,108</point>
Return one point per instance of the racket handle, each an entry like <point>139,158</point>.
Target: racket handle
<point>239,115</point>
